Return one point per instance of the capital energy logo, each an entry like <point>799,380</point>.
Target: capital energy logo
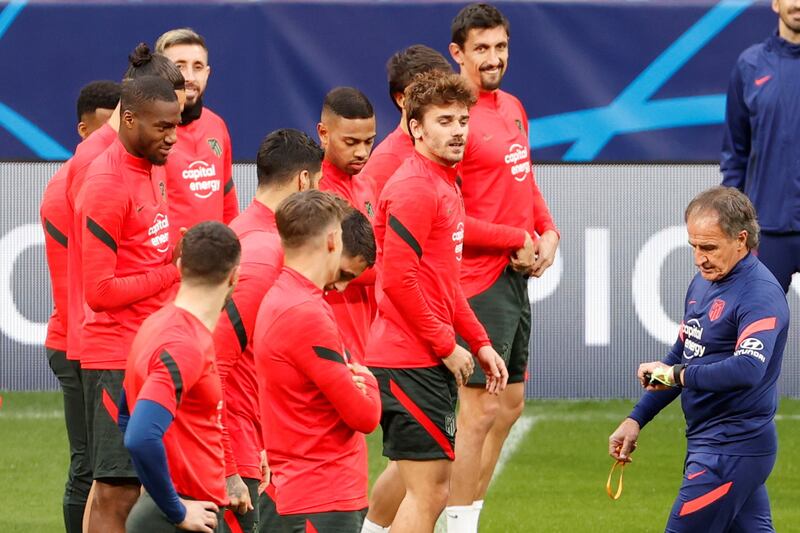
<point>204,179</point>
<point>517,159</point>
<point>458,238</point>
<point>159,233</point>
<point>693,333</point>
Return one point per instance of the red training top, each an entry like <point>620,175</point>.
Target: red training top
<point>419,231</point>
<point>199,174</point>
<point>314,416</point>
<point>56,220</point>
<point>355,308</point>
<point>498,183</point>
<point>261,262</point>
<point>126,253</point>
<point>86,152</point>
<point>387,157</point>
<point>172,363</point>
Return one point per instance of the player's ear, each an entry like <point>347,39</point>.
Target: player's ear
<point>127,118</point>
<point>415,128</point>
<point>234,277</point>
<point>322,133</point>
<point>83,129</point>
<point>330,241</point>
<point>399,99</point>
<point>456,53</point>
<point>303,181</point>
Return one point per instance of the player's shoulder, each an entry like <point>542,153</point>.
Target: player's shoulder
<point>213,119</point>
<point>753,54</point>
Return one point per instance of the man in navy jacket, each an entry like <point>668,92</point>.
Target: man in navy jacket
<point>759,150</point>
<point>725,366</point>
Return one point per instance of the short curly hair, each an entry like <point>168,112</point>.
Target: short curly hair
<point>435,88</point>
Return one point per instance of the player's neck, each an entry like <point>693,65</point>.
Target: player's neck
<point>309,265</point>
<point>203,302</point>
<point>404,123</point>
<point>787,34</point>
<point>272,198</point>
<point>114,119</point>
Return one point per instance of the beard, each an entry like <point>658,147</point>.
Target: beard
<point>192,112</point>
<point>491,82</point>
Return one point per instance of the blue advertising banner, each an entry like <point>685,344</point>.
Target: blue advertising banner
<point>613,81</point>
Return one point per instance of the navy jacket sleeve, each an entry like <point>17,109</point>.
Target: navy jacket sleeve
<point>762,318</point>
<point>144,440</point>
<point>653,402</point>
<point>736,140</point>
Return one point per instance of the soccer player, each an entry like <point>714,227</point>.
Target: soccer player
<point>498,187</point>
<point>397,146</point>
<point>96,101</point>
<point>174,394</point>
<point>412,348</point>
<point>758,155</point>
<point>316,402</point>
<point>141,62</point>
<point>288,161</point>
<point>346,132</point>
<point>725,366</point>
<point>127,275</point>
<point>200,171</point>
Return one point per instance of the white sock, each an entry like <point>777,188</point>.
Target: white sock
<point>371,527</point>
<point>478,506</point>
<point>462,519</point>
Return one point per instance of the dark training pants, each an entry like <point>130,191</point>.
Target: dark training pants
<point>723,494</point>
<point>79,477</point>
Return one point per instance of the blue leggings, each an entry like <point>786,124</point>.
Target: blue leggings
<point>780,253</point>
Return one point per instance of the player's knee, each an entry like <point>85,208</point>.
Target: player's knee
<point>511,412</point>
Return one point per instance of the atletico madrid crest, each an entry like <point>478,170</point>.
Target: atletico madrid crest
<point>716,309</point>
<point>518,122</point>
<point>370,211</point>
<point>216,147</point>
<point>163,188</point>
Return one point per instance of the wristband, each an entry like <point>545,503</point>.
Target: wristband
<point>676,374</point>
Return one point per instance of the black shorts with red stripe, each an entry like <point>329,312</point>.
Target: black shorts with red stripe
<point>110,460</point>
<point>419,412</point>
<point>328,522</point>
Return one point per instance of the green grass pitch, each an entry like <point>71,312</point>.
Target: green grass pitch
<point>554,481</point>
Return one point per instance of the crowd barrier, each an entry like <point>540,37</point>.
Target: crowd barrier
<point>613,298</point>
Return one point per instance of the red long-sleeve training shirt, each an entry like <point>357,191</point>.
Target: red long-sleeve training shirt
<point>172,363</point>
<point>355,307</point>
<point>419,230</point>
<point>126,251</point>
<point>56,220</point>
<point>86,152</point>
<point>200,174</point>
<point>498,183</point>
<point>313,415</point>
<point>261,262</point>
<point>387,157</point>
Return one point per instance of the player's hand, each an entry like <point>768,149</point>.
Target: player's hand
<point>460,363</point>
<point>177,250</point>
<point>646,370</point>
<point>523,259</point>
<point>238,494</point>
<point>200,516</point>
<point>545,248</point>
<point>358,378</point>
<point>622,443</point>
<point>262,486</point>
<point>495,369</point>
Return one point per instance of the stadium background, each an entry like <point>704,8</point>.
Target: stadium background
<point>626,101</point>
